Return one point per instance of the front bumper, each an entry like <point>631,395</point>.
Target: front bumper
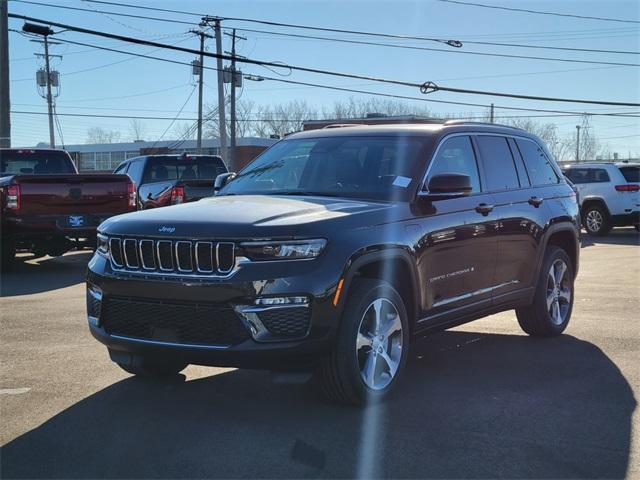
<point>179,319</point>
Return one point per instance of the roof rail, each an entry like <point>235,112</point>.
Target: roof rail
<point>341,125</point>
<point>488,124</point>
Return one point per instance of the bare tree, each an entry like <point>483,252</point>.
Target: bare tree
<point>137,129</point>
<point>184,131</point>
<point>100,135</point>
<point>360,108</point>
<point>282,119</point>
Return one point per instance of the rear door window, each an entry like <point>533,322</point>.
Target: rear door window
<point>631,174</point>
<point>539,167</point>
<point>499,167</point>
<point>578,175</point>
<point>456,155</point>
<point>599,175</point>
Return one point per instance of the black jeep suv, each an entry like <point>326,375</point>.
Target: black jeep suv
<point>335,249</point>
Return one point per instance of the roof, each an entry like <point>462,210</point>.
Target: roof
<point>601,164</point>
<point>421,129</point>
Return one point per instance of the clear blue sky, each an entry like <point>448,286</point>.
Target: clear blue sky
<point>124,88</point>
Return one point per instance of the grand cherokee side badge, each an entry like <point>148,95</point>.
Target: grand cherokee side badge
<point>164,229</point>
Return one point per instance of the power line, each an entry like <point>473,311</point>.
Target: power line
<point>284,120</point>
<point>319,71</point>
<point>176,117</point>
<point>352,90</point>
<point>363,42</point>
<point>537,12</point>
<point>412,47</point>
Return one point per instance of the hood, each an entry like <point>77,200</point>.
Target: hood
<point>249,216</point>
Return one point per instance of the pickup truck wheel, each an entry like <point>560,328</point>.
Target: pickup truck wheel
<point>146,368</point>
<point>371,348</point>
<point>7,253</point>
<point>550,311</point>
<point>596,221</point>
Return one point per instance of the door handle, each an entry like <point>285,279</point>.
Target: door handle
<point>535,201</point>
<point>484,209</point>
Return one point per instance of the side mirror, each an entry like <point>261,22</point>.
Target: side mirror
<point>221,180</point>
<point>447,185</point>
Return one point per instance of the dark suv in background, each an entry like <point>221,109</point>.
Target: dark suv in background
<point>163,180</point>
<point>335,249</point>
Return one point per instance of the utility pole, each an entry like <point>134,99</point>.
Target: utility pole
<point>5,107</point>
<point>221,115</point>
<point>232,158</point>
<point>577,143</point>
<point>45,32</point>
<point>492,117</point>
<point>200,82</point>
<point>52,138</point>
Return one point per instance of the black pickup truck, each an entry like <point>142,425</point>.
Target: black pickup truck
<point>163,180</point>
<point>335,249</point>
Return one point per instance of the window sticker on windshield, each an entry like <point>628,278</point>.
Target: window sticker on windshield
<point>402,181</point>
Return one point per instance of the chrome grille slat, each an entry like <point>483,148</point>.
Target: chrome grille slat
<point>173,257</point>
<point>130,243</point>
<point>184,262</point>
<point>150,250</point>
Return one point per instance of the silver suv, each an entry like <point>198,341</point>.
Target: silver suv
<point>609,195</point>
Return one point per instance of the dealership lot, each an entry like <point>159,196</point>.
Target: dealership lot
<point>482,400</point>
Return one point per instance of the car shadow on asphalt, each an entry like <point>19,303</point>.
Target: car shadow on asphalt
<point>471,405</point>
<point>617,236</point>
<point>26,275</point>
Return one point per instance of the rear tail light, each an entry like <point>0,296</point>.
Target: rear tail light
<point>132,195</point>
<point>13,197</point>
<point>177,195</point>
<point>628,188</point>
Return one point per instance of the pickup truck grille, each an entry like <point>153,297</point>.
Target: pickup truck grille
<point>172,256</point>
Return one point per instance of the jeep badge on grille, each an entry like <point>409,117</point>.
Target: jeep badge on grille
<point>164,229</point>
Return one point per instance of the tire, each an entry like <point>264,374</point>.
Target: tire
<point>7,254</point>
<point>596,221</point>
<point>358,353</point>
<point>152,369</point>
<point>550,312</point>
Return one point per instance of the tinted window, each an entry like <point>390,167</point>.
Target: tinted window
<point>500,171</point>
<point>35,162</point>
<point>122,168</point>
<point>360,167</point>
<point>578,175</point>
<point>599,175</point>
<point>456,155</point>
<point>631,174</point>
<point>135,170</point>
<point>522,172</point>
<point>160,169</point>
<point>538,165</point>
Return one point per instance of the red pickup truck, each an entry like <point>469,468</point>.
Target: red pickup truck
<point>48,208</point>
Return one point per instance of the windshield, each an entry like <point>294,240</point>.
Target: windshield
<point>160,169</point>
<point>361,167</point>
<point>35,162</point>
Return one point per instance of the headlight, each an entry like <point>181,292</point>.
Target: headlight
<point>102,246</point>
<point>287,250</point>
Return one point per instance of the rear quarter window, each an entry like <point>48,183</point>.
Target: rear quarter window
<point>539,167</point>
<point>631,174</point>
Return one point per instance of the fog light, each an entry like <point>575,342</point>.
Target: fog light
<point>274,301</point>
<point>94,304</point>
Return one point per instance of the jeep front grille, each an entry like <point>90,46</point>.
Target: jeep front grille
<point>172,256</point>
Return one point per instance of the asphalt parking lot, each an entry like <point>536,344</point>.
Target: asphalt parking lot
<point>483,400</point>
